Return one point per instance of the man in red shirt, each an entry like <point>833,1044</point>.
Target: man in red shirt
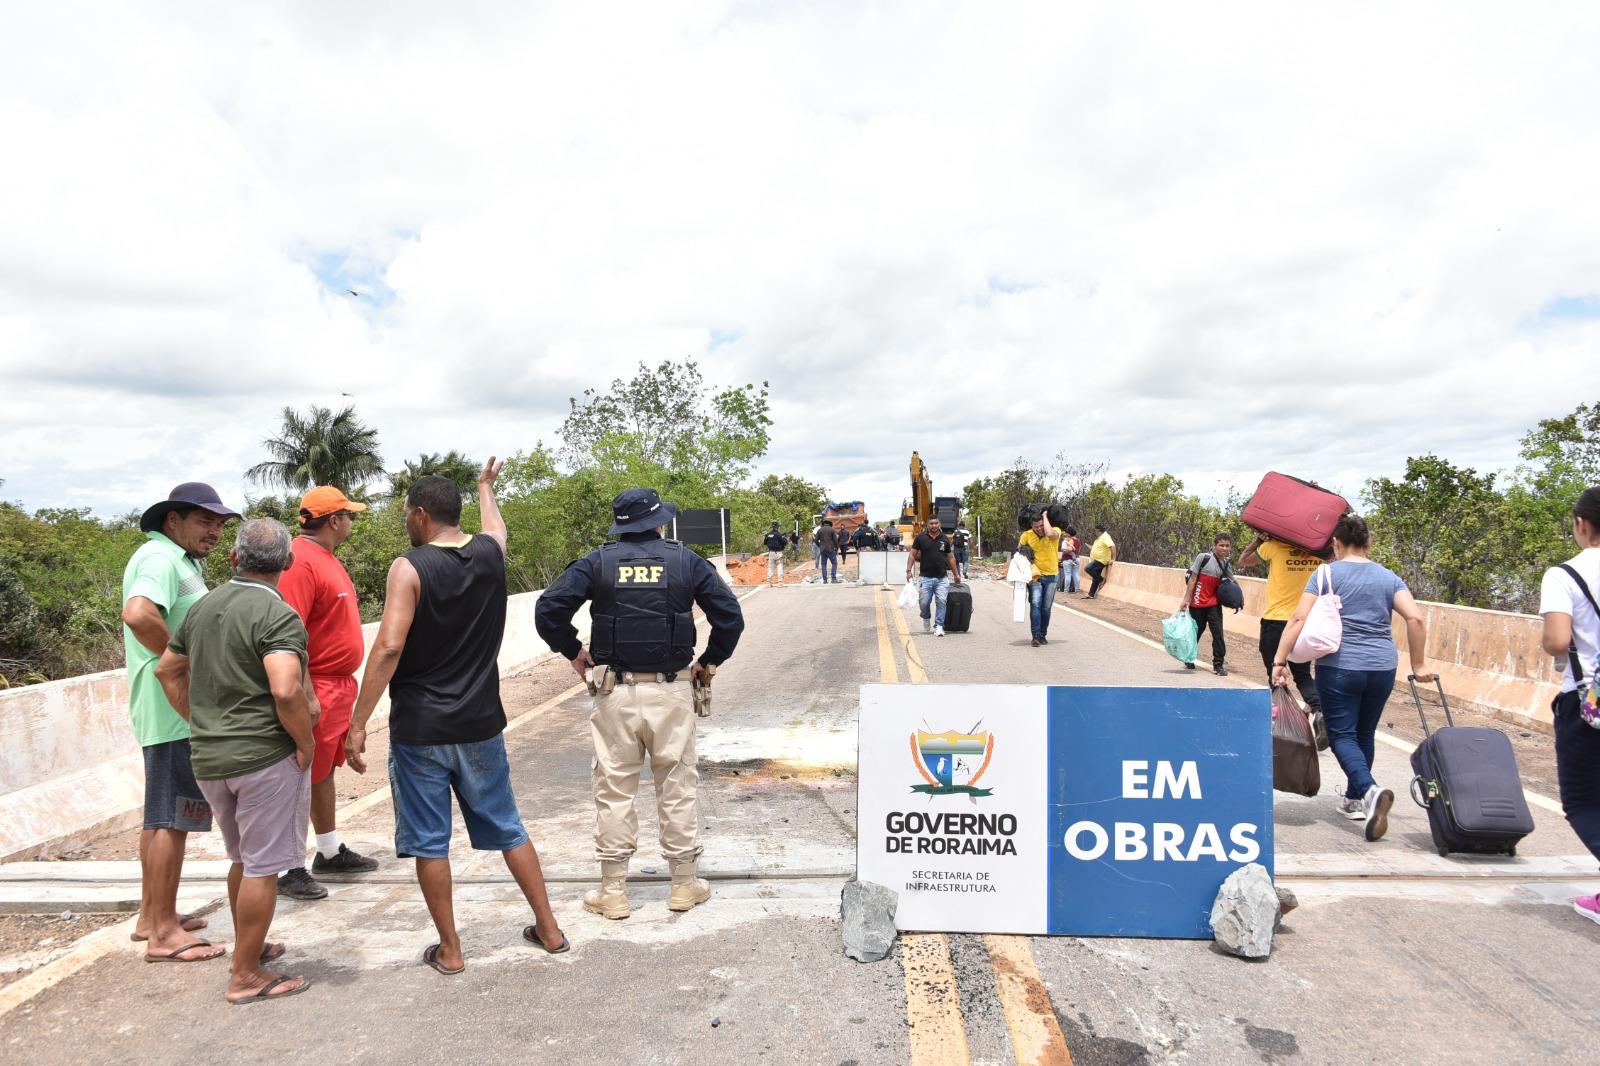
<point>1205,574</point>
<point>319,589</point>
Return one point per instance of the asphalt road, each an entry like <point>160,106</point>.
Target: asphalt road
<point>1393,956</point>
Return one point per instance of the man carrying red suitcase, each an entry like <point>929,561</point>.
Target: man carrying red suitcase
<point>1288,570</point>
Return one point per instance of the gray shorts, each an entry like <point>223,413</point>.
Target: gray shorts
<point>172,798</point>
<point>263,816</point>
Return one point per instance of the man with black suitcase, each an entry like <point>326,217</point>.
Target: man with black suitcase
<point>934,554</point>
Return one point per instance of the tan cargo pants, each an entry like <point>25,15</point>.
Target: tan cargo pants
<point>627,724</point>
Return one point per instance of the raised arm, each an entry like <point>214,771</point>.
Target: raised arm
<point>488,508</point>
<point>1250,556</point>
<point>401,593</point>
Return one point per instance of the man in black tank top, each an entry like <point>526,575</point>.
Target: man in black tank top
<point>436,652</point>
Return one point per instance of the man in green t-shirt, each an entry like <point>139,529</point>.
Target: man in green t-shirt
<point>161,582</point>
<point>236,671</point>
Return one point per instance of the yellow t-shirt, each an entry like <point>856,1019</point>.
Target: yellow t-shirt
<point>1046,552</point>
<point>1288,570</point>
<point>1101,551</point>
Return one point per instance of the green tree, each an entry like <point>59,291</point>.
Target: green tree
<point>322,447</point>
<point>1446,531</point>
<point>452,464</point>
<point>669,415</point>
<point>797,498</point>
<point>1560,458</point>
<point>1151,518</point>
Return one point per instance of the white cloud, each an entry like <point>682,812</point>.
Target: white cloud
<point>1203,241</point>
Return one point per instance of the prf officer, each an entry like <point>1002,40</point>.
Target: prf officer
<point>642,589</point>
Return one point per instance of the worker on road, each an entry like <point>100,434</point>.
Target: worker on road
<point>646,690</point>
<point>775,542</point>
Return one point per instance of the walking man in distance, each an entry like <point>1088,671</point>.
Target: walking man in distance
<point>775,543</point>
<point>642,590</point>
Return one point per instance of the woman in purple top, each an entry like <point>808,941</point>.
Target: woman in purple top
<point>1354,682</point>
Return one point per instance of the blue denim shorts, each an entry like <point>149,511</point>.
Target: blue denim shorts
<point>422,776</point>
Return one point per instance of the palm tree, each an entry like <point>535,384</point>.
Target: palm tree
<point>320,448</point>
<point>452,464</point>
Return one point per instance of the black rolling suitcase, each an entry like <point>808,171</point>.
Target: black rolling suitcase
<point>1467,781</point>
<point>958,609</point>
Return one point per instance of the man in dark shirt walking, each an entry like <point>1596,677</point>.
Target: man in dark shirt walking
<point>774,542</point>
<point>641,648</point>
<point>828,550</point>
<point>437,648</point>
<point>935,557</point>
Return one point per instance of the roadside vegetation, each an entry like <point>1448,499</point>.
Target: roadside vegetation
<point>1455,534</point>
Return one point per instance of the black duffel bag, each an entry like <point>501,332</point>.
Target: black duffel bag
<point>1030,513</point>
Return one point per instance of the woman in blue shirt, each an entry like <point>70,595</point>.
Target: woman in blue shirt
<point>1354,682</point>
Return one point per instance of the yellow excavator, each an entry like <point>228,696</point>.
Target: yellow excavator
<point>914,513</point>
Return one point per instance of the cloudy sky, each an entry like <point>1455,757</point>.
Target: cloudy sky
<point>1206,241</point>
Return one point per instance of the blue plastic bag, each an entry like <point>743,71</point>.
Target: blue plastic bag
<point>1181,636</point>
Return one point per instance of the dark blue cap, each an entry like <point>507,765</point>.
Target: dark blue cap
<point>189,494</point>
<point>636,510</point>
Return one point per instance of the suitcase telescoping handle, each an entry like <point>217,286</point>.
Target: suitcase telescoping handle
<point>1411,679</point>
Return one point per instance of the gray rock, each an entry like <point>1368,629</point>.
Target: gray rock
<point>1287,900</point>
<point>1245,913</point>
<point>867,910</point>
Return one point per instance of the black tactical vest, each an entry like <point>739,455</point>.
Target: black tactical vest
<point>640,614</point>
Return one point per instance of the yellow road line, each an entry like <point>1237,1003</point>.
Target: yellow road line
<point>886,668</point>
<point>933,1003</point>
<point>936,1030</point>
<point>918,675</point>
<point>1036,1038</point>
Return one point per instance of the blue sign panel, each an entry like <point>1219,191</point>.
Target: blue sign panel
<point>1156,795</point>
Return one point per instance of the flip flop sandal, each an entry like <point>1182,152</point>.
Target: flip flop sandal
<point>176,955</point>
<point>183,920</point>
<point>273,951</point>
<point>430,955</point>
<point>532,937</point>
<point>265,991</point>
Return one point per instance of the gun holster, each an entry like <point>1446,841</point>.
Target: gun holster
<point>602,681</point>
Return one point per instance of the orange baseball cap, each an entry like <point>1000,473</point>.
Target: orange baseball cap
<point>325,500</point>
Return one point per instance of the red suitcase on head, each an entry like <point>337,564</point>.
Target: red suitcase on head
<point>1295,511</point>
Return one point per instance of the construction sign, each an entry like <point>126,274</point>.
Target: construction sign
<point>1061,810</point>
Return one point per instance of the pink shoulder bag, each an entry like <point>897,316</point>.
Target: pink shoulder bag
<point>1324,627</point>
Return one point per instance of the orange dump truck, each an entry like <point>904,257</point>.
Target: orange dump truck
<point>846,517</point>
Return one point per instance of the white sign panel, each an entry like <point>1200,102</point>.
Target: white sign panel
<point>933,826</point>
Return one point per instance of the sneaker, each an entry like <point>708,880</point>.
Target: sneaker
<point>299,884</point>
<point>1035,642</point>
<point>1044,640</point>
<point>938,631</point>
<point>927,625</point>
<point>1220,670</point>
<point>1319,728</point>
<point>1378,801</point>
<point>346,862</point>
<point>1588,906</point>
<point>1188,666</point>
<point>1352,807</point>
